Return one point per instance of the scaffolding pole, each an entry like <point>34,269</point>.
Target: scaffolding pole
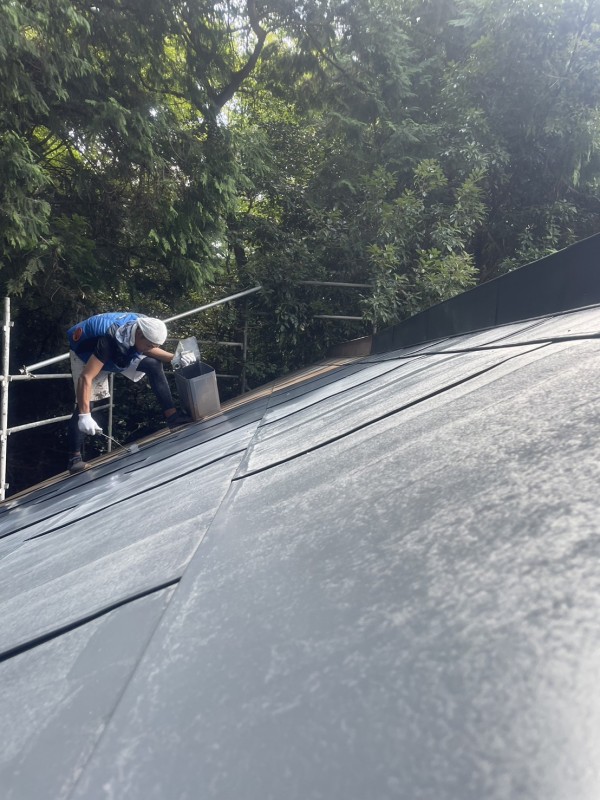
<point>244,386</point>
<point>214,303</point>
<point>111,406</point>
<point>4,404</point>
<point>65,356</point>
<point>337,316</point>
<point>338,283</point>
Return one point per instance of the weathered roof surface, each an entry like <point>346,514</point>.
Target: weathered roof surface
<point>379,581</point>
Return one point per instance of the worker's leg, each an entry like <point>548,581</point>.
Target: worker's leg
<point>75,437</point>
<point>160,386</point>
<point>75,442</point>
<point>158,381</point>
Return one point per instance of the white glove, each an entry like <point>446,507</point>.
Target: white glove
<point>88,425</point>
<point>183,359</point>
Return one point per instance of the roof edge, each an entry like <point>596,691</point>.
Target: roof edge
<point>563,281</point>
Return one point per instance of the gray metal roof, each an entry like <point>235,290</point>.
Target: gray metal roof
<point>380,580</point>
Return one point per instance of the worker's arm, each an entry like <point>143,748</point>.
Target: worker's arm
<point>84,385</point>
<point>177,359</point>
<point>159,354</point>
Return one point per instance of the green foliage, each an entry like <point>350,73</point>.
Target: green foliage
<point>103,121</point>
<point>158,155</point>
<point>523,100</point>
<point>24,215</point>
<point>440,276</point>
<point>421,254</point>
<point>384,305</point>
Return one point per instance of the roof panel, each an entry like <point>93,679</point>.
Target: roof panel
<point>125,477</point>
<point>583,322</point>
<point>395,614</point>
<point>394,595</point>
<point>330,418</point>
<point>57,698</point>
<point>107,555</point>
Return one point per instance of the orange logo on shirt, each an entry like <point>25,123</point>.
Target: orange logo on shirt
<point>77,335</point>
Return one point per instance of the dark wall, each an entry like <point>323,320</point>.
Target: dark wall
<point>565,280</point>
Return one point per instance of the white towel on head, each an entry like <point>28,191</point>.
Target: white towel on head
<point>126,334</point>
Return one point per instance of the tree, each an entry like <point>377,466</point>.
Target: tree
<point>156,155</point>
<point>523,100</point>
<point>117,171</point>
<point>349,185</point>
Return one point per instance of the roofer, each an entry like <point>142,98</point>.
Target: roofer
<point>120,342</point>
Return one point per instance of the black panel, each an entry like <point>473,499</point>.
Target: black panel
<point>562,281</point>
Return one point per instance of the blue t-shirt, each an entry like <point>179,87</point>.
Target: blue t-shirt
<point>105,336</point>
